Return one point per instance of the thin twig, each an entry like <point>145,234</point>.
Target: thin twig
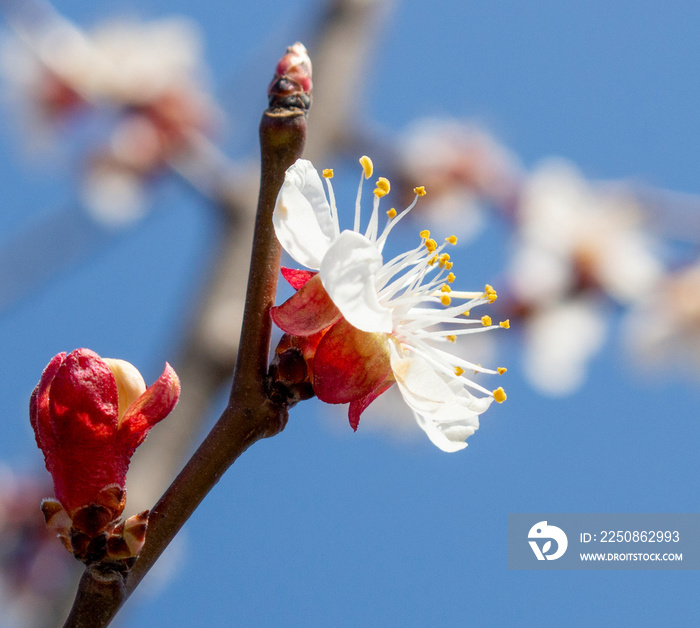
<point>98,592</point>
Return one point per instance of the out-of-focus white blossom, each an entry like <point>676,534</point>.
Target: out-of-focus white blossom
<point>148,75</point>
<point>571,231</point>
<point>463,166</point>
<point>579,246</point>
<point>665,327</point>
<point>113,194</point>
<point>560,341</point>
<point>137,62</point>
<point>41,95</point>
<point>119,63</point>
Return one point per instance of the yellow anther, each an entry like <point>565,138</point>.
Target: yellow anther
<point>445,300</point>
<point>505,324</point>
<point>425,234</point>
<point>383,187</point>
<point>448,265</point>
<point>430,244</point>
<point>432,260</point>
<point>444,258</point>
<point>499,395</point>
<point>446,288</point>
<point>467,313</point>
<point>451,239</point>
<point>420,191</point>
<point>327,173</point>
<point>367,166</point>
<point>451,338</point>
<point>490,293</point>
<point>391,213</point>
<point>486,320</point>
<point>459,371</point>
<point>501,369</point>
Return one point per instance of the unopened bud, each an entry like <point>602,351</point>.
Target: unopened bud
<point>89,415</point>
<point>291,85</point>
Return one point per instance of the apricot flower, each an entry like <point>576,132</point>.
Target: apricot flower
<point>370,324</point>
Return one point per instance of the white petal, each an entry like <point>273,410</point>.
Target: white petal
<point>302,216</point>
<point>348,274</point>
<point>448,414</point>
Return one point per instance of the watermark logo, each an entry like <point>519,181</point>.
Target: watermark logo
<point>542,531</point>
<point>603,541</point>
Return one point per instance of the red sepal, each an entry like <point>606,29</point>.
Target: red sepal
<point>358,406</point>
<point>296,277</point>
<point>308,311</point>
<point>349,364</point>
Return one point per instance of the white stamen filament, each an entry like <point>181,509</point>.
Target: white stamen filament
<point>356,224</point>
<point>392,223</point>
<point>334,208</point>
<point>371,233</point>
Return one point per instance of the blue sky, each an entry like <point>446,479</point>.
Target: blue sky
<point>320,526</point>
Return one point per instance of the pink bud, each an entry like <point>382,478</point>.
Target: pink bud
<point>296,65</point>
<point>291,85</point>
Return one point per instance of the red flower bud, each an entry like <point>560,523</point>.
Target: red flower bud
<point>89,414</point>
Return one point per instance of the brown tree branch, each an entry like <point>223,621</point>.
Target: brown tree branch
<point>249,416</point>
<point>98,592</point>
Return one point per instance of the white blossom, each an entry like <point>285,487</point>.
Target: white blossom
<point>408,298</point>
